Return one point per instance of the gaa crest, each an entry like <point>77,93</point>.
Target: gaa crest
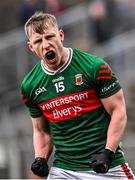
<point>78,79</point>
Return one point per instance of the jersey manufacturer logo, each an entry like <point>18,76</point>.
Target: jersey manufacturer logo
<point>58,79</point>
<point>40,90</point>
<point>78,79</point>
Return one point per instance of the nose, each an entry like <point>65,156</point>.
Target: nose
<point>45,44</point>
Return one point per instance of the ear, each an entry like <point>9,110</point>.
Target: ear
<point>30,46</point>
<point>61,32</point>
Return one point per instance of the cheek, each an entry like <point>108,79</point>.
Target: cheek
<point>37,49</point>
<point>59,45</point>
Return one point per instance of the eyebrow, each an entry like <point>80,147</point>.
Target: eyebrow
<point>36,40</point>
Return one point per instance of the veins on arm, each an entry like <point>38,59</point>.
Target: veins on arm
<point>41,137</point>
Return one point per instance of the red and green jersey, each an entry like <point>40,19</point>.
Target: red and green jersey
<point>70,99</point>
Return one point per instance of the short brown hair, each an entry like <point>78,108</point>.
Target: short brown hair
<point>37,20</point>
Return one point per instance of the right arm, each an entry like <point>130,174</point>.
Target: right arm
<point>41,135</point>
<point>41,138</point>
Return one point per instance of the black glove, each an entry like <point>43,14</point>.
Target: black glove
<point>40,167</point>
<point>101,162</point>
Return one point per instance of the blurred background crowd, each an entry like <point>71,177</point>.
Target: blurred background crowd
<point>102,27</point>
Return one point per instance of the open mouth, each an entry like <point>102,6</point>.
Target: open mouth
<point>50,55</point>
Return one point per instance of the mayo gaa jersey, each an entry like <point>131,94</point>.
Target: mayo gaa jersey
<point>69,99</point>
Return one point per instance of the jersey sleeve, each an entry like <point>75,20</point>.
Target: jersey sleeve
<point>106,81</point>
<point>33,109</point>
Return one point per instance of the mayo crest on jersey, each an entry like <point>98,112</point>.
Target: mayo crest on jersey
<point>70,99</point>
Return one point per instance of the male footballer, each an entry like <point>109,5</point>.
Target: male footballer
<point>76,104</point>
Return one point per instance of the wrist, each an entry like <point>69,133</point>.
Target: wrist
<point>38,158</point>
<point>110,149</point>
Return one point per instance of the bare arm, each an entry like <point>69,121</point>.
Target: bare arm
<point>115,106</point>
<point>41,138</point>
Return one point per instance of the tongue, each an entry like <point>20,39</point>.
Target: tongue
<point>50,55</point>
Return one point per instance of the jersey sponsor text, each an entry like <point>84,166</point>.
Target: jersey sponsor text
<point>70,106</point>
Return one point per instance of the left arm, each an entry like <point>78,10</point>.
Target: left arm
<point>115,106</point>
<point>112,98</point>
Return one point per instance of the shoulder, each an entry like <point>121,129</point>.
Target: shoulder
<point>88,59</point>
<point>82,54</point>
<point>78,52</point>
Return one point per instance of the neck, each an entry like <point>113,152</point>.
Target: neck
<point>64,57</point>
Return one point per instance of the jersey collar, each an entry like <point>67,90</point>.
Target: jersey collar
<point>62,68</point>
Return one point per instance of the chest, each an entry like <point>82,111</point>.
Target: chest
<point>71,81</point>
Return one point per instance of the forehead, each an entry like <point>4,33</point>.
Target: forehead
<point>46,28</point>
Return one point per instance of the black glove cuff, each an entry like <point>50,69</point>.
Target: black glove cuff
<point>40,159</point>
<point>110,154</point>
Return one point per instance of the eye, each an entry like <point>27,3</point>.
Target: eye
<point>50,37</point>
<point>37,41</point>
